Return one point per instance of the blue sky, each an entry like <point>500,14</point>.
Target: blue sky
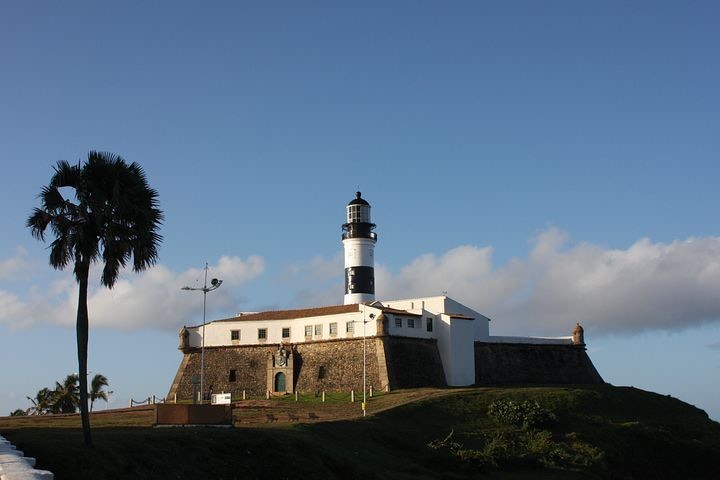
<point>543,162</point>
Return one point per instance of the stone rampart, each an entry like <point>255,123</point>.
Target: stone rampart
<point>413,362</point>
<point>502,363</point>
<point>249,363</point>
<point>336,365</point>
<point>400,362</point>
<point>327,365</point>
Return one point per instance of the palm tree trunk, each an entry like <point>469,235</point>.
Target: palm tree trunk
<point>82,329</point>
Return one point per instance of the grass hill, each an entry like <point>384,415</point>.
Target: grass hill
<point>486,433</point>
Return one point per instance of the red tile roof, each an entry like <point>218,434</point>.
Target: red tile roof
<point>292,314</point>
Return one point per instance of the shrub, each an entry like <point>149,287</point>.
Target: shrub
<point>528,414</point>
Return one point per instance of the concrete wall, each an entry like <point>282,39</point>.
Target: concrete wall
<point>14,465</point>
<point>499,363</point>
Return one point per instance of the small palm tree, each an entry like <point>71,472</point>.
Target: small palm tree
<point>67,395</point>
<point>96,389</point>
<point>42,403</point>
<point>19,412</point>
<point>114,217</point>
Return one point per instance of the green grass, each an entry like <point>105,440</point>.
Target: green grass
<point>330,397</point>
<point>599,432</point>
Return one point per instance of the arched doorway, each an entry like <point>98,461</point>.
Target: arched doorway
<point>280,382</point>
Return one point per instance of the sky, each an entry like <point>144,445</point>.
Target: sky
<point>544,163</point>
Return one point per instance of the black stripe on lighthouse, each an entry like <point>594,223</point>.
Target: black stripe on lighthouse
<point>360,280</point>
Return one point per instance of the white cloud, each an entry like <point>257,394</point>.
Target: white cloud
<point>150,299</point>
<point>646,286</point>
<point>315,281</point>
<point>649,285</point>
<point>12,266</point>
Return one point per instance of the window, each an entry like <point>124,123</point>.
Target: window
<point>308,330</point>
<point>318,330</point>
<point>359,213</point>
<point>262,333</point>
<point>411,323</point>
<point>349,327</point>
<point>286,332</point>
<point>428,322</point>
<point>321,372</point>
<point>232,376</point>
<point>234,334</point>
<point>398,322</point>
<point>333,328</point>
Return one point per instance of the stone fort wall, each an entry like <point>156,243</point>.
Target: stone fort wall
<point>413,362</point>
<point>327,365</point>
<point>504,363</point>
<point>397,362</point>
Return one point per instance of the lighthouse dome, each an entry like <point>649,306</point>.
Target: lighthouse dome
<point>358,200</point>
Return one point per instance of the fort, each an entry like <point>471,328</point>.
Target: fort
<point>429,341</point>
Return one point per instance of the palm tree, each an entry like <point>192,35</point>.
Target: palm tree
<point>42,403</point>
<point>96,389</point>
<point>113,217</point>
<point>66,395</point>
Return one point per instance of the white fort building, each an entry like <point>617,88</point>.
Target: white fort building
<point>467,352</point>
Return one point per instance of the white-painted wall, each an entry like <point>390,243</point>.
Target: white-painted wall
<point>219,333</point>
<point>359,252</point>
<point>455,335</point>
<point>444,304</point>
<point>457,350</point>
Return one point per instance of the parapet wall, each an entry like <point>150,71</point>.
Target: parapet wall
<point>502,363</point>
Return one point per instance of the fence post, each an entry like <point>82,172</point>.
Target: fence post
<point>352,396</point>
<point>371,390</point>
<point>267,394</point>
<point>296,396</point>
<point>175,398</point>
<point>323,396</point>
<point>154,399</point>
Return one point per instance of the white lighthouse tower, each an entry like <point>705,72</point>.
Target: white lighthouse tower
<point>359,242</point>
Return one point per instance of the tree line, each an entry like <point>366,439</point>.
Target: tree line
<point>65,397</point>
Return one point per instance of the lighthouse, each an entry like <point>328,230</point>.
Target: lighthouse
<point>359,242</point>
